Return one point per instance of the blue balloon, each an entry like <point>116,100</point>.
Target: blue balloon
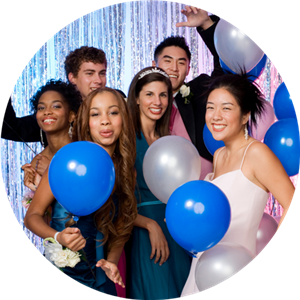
<point>255,72</point>
<point>198,215</point>
<point>211,144</point>
<point>283,104</point>
<point>283,139</point>
<point>225,68</point>
<point>258,69</point>
<point>81,177</point>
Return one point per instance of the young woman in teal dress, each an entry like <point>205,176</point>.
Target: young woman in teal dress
<point>104,119</point>
<point>159,267</point>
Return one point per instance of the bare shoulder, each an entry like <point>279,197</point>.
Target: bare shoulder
<point>260,153</point>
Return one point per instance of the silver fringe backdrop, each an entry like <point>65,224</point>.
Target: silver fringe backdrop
<point>128,33</point>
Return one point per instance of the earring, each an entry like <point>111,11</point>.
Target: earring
<point>70,131</point>
<point>42,141</point>
<point>246,133</point>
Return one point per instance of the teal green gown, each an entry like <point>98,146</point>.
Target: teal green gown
<point>85,272</point>
<point>148,280</point>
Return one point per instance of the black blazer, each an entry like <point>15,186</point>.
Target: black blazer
<point>193,113</point>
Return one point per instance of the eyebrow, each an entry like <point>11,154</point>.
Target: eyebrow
<point>226,103</point>
<point>89,70</point>
<point>108,107</point>
<point>51,102</point>
<point>94,71</point>
<point>168,56</point>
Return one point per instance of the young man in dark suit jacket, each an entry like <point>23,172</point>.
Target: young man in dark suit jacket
<point>173,55</point>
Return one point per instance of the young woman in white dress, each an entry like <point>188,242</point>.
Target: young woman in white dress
<point>246,170</point>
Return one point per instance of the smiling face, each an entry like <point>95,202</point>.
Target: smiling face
<point>174,61</point>
<point>223,116</point>
<point>90,77</point>
<point>53,113</point>
<point>153,101</point>
<point>105,120</point>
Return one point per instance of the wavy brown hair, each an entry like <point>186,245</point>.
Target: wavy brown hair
<point>116,229</point>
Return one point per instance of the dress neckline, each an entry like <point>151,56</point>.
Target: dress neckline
<point>238,170</point>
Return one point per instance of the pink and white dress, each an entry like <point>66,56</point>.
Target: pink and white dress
<point>247,202</point>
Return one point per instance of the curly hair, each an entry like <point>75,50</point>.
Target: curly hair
<point>67,90</point>
<point>84,54</point>
<point>137,84</point>
<point>116,230</point>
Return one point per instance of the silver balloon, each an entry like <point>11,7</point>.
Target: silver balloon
<point>219,263</point>
<point>168,163</point>
<point>267,228</point>
<point>235,48</point>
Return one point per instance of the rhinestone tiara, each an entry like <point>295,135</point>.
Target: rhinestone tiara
<point>154,70</point>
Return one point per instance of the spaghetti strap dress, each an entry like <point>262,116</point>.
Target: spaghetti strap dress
<point>247,203</point>
<point>85,272</point>
<point>147,279</point>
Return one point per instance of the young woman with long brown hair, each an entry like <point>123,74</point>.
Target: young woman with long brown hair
<point>154,269</point>
<point>102,118</point>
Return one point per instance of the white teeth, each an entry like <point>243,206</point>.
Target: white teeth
<point>174,76</point>
<point>155,110</point>
<point>49,120</point>
<point>219,126</point>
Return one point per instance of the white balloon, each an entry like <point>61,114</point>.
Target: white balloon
<point>219,263</point>
<point>235,48</point>
<point>168,163</point>
<point>266,230</point>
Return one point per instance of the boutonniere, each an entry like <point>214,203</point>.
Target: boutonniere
<point>186,93</point>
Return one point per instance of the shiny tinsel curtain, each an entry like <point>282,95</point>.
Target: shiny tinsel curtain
<point>128,33</point>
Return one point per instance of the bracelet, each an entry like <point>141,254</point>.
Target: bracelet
<point>55,236</point>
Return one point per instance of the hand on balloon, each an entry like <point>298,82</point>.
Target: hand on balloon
<point>31,178</point>
<point>41,164</point>
<point>71,238</point>
<point>159,244</point>
<point>111,271</point>
<point>195,17</point>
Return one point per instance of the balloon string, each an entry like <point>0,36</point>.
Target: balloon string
<point>19,137</point>
<point>75,219</point>
<point>86,259</point>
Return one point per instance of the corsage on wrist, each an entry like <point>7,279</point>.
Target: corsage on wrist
<point>62,257</point>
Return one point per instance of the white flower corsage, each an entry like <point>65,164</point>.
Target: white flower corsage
<point>186,93</point>
<point>62,257</point>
